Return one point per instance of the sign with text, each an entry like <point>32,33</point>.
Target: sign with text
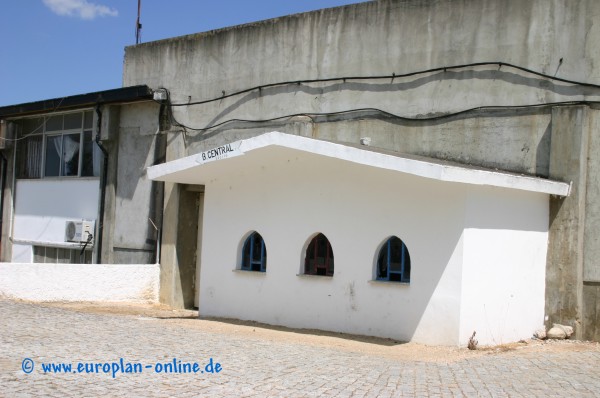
<point>221,152</point>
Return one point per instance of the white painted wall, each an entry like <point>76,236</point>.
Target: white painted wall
<point>503,281</point>
<point>80,282</point>
<point>43,206</point>
<point>288,196</point>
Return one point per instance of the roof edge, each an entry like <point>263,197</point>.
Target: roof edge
<point>422,167</point>
<point>117,95</point>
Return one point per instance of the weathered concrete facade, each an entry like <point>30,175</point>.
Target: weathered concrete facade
<point>395,80</point>
<point>133,204</point>
<point>101,144</point>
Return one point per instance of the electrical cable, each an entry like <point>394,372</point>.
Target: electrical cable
<point>41,126</point>
<point>394,76</point>
<point>313,115</point>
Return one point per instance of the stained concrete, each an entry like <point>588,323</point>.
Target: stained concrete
<point>556,37</point>
<point>133,204</point>
<point>569,149</point>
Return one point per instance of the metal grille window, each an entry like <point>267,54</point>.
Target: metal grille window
<point>393,262</point>
<point>254,253</point>
<point>59,255</point>
<point>58,146</point>
<point>319,257</point>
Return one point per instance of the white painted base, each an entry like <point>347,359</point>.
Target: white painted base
<point>80,282</point>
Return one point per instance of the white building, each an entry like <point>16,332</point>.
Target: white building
<point>475,241</point>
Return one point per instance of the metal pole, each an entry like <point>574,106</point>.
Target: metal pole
<point>138,25</point>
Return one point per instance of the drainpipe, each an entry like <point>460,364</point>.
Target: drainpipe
<point>103,178</point>
<point>3,177</point>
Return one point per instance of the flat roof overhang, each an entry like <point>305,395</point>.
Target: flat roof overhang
<point>202,167</point>
<point>117,95</point>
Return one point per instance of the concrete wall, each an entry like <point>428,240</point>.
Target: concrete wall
<point>555,37</point>
<point>42,222</point>
<point>403,37</point>
<point>289,197</point>
<point>77,282</point>
<point>132,212</point>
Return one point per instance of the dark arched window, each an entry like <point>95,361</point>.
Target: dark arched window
<point>393,262</point>
<point>254,253</point>
<point>319,257</point>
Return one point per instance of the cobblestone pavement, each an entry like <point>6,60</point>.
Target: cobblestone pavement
<point>254,366</point>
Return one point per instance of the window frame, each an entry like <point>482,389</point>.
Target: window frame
<point>262,262</point>
<point>51,255</point>
<point>405,262</point>
<point>42,133</point>
<point>329,259</point>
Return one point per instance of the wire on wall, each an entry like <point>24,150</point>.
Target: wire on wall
<point>313,115</point>
<point>391,77</point>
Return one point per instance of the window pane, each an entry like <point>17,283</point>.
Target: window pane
<point>406,274</point>
<point>33,126</point>
<point>91,156</point>
<point>29,157</point>
<point>87,257</point>
<point>393,261</point>
<point>257,248</point>
<point>396,254</point>
<point>64,256</point>
<point>254,254</point>
<point>50,255</point>
<point>70,154</point>
<point>53,150</point>
<point>73,121</point>
<point>88,120</point>
<point>54,123</point>
<point>382,261</point>
<point>246,255</point>
<point>39,254</point>
<point>319,257</point>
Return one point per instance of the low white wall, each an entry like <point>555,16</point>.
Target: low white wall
<point>80,282</point>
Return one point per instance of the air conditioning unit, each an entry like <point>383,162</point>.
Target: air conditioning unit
<point>79,231</point>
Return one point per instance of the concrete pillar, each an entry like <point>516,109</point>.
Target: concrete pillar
<point>168,254</point>
<point>179,244</point>
<point>591,245</point>
<point>564,272</point>
<point>179,237</point>
<point>7,207</point>
<point>109,135</point>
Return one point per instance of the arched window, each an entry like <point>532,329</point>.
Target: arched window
<point>393,262</point>
<point>319,257</point>
<point>254,253</point>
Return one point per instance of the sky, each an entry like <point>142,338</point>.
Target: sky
<point>57,48</point>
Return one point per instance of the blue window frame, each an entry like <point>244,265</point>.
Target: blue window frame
<point>319,257</point>
<point>254,253</point>
<point>393,262</point>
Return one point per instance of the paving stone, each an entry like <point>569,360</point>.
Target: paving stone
<point>254,367</point>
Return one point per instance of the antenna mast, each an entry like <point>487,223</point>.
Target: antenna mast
<point>138,25</point>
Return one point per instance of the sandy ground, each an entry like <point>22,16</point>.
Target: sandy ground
<point>359,344</point>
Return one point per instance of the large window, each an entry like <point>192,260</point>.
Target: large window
<point>393,262</point>
<point>58,146</point>
<point>319,257</point>
<point>254,253</point>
